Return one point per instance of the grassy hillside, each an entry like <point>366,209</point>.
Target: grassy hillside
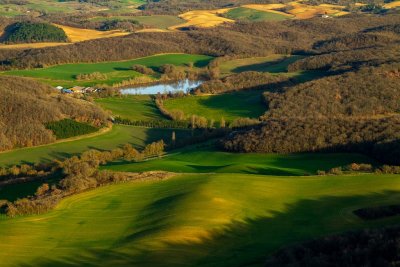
<point>248,14</point>
<point>134,107</point>
<point>192,220</point>
<point>207,160</point>
<point>228,106</point>
<point>273,63</point>
<point>116,71</point>
<point>119,135</point>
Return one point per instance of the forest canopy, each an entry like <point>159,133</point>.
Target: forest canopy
<point>34,32</point>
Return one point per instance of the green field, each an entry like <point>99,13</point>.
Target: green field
<point>202,220</point>
<point>116,71</point>
<point>273,64</point>
<point>228,106</point>
<point>248,14</point>
<point>133,107</point>
<point>117,137</point>
<point>207,160</point>
<point>159,21</point>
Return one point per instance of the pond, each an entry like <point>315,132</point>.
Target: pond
<point>184,85</point>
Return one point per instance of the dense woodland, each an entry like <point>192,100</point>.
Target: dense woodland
<point>353,112</point>
<point>240,39</point>
<point>27,105</point>
<point>291,135</point>
<point>29,32</point>
<point>371,91</point>
<point>378,247</point>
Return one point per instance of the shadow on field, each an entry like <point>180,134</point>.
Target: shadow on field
<point>276,66</point>
<point>241,243</point>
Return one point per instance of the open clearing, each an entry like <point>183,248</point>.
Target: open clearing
<point>116,71</point>
<point>228,106</point>
<point>203,18</point>
<point>193,220</point>
<point>134,107</point>
<point>249,14</point>
<point>118,136</point>
<point>273,64</point>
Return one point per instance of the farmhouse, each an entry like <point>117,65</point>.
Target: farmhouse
<point>66,91</point>
<point>77,89</point>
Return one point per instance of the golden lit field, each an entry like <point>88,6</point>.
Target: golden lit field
<point>79,35</point>
<point>299,10</point>
<point>392,4</point>
<point>153,30</point>
<point>30,45</point>
<point>268,8</point>
<point>203,18</point>
<point>303,11</point>
<point>75,35</point>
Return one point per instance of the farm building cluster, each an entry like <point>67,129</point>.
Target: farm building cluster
<point>77,90</point>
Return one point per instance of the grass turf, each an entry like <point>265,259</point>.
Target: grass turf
<point>205,159</point>
<point>133,107</point>
<point>118,136</point>
<point>116,71</point>
<point>273,64</point>
<point>247,14</point>
<point>228,106</point>
<point>193,220</point>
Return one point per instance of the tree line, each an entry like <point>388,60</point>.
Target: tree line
<point>368,247</point>
<point>291,135</point>
<point>80,174</point>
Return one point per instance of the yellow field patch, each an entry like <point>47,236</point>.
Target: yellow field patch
<point>203,18</point>
<point>392,4</point>
<point>79,35</point>
<point>30,45</point>
<point>331,6</point>
<point>268,8</point>
<point>153,30</point>
<point>299,10</point>
<point>359,4</point>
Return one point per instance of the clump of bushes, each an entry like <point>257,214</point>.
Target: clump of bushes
<point>91,76</point>
<point>143,69</point>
